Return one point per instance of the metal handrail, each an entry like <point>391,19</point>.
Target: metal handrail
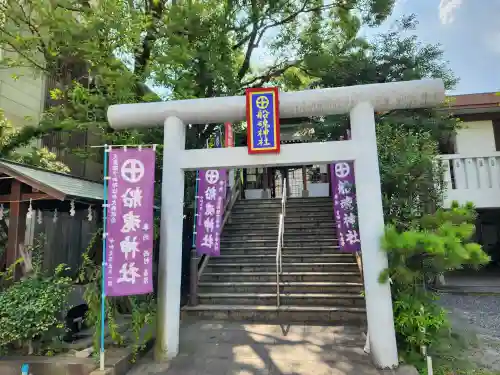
<point>279,270</point>
<point>280,242</point>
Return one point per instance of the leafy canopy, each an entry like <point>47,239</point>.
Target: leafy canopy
<point>11,139</point>
<point>103,52</point>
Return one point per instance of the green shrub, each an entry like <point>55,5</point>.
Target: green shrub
<point>432,245</point>
<point>32,308</point>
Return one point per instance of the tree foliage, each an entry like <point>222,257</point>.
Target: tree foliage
<point>408,140</point>
<point>412,179</point>
<point>396,55</point>
<point>32,309</point>
<point>103,52</point>
<point>12,139</point>
<point>431,245</point>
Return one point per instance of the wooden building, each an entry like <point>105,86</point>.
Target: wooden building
<point>66,210</point>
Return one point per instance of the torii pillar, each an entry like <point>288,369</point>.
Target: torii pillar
<point>359,101</point>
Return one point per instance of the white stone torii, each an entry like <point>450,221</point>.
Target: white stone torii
<point>359,101</point>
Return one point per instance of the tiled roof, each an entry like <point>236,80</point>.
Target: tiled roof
<point>59,185</point>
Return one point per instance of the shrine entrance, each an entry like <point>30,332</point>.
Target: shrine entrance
<point>301,181</point>
<point>359,101</point>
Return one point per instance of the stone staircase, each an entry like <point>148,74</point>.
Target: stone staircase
<point>318,284</point>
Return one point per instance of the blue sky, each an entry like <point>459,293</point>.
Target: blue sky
<point>468,32</point>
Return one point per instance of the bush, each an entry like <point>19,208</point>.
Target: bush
<point>32,308</point>
<point>411,179</point>
<point>432,245</point>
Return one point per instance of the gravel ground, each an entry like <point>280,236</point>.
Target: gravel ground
<point>483,312</point>
<point>478,316</point>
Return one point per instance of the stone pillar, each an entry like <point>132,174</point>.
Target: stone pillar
<point>329,177</point>
<point>287,182</point>
<point>305,192</point>
<point>170,260</point>
<point>265,184</point>
<point>371,228</point>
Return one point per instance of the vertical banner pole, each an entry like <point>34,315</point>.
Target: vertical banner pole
<point>195,207</point>
<point>229,142</point>
<point>218,144</point>
<point>103,268</point>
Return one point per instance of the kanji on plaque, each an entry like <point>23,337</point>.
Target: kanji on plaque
<point>210,210</point>
<point>263,120</point>
<point>344,205</point>
<point>129,245</point>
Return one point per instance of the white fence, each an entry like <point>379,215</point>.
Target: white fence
<point>472,179</point>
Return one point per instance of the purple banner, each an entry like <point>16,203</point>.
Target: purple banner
<point>210,210</point>
<point>344,205</point>
<point>129,245</point>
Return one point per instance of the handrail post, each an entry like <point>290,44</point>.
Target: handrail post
<point>193,284</point>
<point>280,242</point>
<point>278,259</point>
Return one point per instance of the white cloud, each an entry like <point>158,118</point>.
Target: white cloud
<point>447,9</point>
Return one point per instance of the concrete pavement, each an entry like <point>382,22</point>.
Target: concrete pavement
<point>232,348</point>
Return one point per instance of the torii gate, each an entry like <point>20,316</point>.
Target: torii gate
<point>359,101</point>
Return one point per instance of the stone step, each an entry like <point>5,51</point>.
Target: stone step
<point>286,258</point>
<point>266,299</point>
<point>277,201</point>
<point>269,236</point>
<point>314,215</point>
<point>273,221</point>
<point>269,287</point>
<point>302,242</point>
<point>273,230</point>
<point>287,267</point>
<point>349,277</point>
<point>277,205</point>
<point>277,209</point>
<point>294,200</point>
<point>289,225</point>
<point>289,250</point>
<point>355,316</point>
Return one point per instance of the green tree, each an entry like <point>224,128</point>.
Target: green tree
<point>411,178</point>
<point>409,140</point>
<point>104,53</point>
<point>15,145</point>
<point>192,49</point>
<point>393,56</point>
<point>430,245</point>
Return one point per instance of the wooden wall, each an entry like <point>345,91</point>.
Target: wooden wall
<point>66,239</point>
